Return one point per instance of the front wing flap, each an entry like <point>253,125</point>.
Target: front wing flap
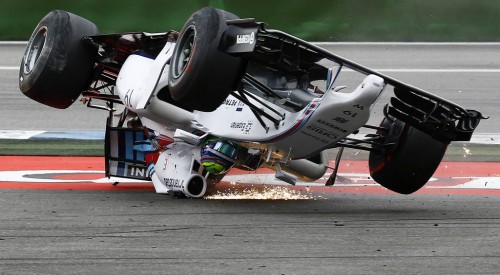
<point>442,121</point>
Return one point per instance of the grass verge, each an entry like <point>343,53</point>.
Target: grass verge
<point>315,20</point>
<point>52,147</point>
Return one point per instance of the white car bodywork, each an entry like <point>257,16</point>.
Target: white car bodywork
<point>326,120</point>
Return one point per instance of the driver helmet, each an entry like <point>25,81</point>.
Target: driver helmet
<point>218,156</point>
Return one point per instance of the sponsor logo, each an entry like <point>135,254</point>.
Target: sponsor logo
<point>245,38</point>
<point>238,125</point>
<point>243,126</point>
<point>173,183</point>
<point>230,102</point>
<point>331,125</point>
<point>233,102</point>
<point>137,171</point>
<point>321,131</point>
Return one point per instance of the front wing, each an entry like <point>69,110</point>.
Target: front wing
<point>438,117</point>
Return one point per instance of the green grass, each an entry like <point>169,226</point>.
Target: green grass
<point>317,20</point>
<point>43,147</point>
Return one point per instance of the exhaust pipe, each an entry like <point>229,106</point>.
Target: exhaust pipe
<point>174,172</point>
<point>195,187</point>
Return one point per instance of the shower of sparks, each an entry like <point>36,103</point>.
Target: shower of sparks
<point>266,193</point>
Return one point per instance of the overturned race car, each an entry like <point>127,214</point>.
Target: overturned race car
<point>228,93</point>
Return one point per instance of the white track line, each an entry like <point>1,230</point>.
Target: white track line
<point>19,134</point>
<point>13,43</point>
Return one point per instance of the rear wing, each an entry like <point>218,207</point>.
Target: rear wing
<point>125,156</point>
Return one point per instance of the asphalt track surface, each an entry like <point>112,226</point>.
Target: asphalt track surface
<point>79,226</point>
<point>74,222</point>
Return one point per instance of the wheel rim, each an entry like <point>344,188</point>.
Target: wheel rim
<point>34,50</point>
<point>184,52</point>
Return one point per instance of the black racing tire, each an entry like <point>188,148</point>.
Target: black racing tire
<point>410,163</point>
<point>57,64</point>
<point>200,76</point>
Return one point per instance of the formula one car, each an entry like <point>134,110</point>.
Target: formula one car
<point>227,93</point>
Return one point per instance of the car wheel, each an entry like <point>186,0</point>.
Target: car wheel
<point>200,76</point>
<point>410,162</point>
<point>57,64</point>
